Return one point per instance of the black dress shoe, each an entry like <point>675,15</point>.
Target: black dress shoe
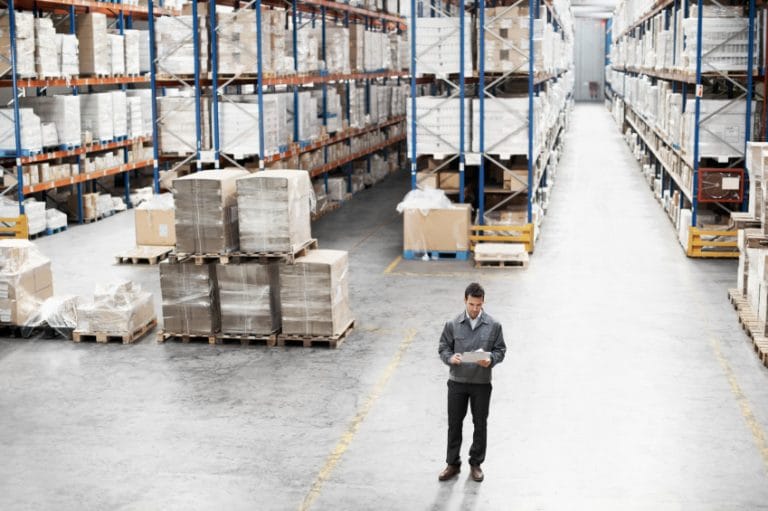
<point>449,472</point>
<point>476,472</point>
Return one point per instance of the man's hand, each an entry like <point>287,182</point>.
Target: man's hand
<point>455,359</point>
<point>484,363</point>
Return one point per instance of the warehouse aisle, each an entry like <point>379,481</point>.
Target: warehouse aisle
<point>628,383</point>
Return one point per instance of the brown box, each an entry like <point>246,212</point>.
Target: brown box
<point>449,181</point>
<point>25,283</point>
<point>513,178</point>
<point>426,180</point>
<point>444,230</point>
<point>190,298</point>
<point>155,227</point>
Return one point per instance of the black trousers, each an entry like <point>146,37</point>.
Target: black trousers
<point>478,397</point>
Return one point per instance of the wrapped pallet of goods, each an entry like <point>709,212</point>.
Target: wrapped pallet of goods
<point>26,281</point>
<point>46,55</point>
<point>67,51</point>
<point>432,224</point>
<point>31,131</point>
<point>63,111</point>
<point>176,48</point>
<point>132,52</point>
<point>190,299</point>
<point>177,131</point>
<point>155,221</point>
<point>274,211</point>
<point>94,44</point>
<point>206,211</point>
<point>120,309</point>
<point>249,296</point>
<point>314,295</point>
<point>25,44</point>
<point>96,116</point>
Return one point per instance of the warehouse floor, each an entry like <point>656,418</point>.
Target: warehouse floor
<point>628,383</point>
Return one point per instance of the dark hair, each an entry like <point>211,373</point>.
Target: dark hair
<point>475,290</point>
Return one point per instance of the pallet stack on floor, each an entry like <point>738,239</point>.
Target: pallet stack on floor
<point>750,297</point>
<point>246,269</point>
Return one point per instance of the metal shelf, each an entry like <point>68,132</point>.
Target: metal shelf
<point>75,82</point>
<point>80,6</point>
<point>356,156</point>
<point>658,6</point>
<point>682,76</point>
<point>90,176</point>
<point>300,79</point>
<point>91,148</point>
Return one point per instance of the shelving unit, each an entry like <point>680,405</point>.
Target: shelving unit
<point>486,86</point>
<point>123,16</point>
<point>208,85</point>
<point>707,184</point>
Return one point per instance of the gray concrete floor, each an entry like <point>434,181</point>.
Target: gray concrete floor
<point>628,383</point>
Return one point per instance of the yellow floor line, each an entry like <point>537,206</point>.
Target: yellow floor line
<point>354,426</point>
<point>758,434</point>
<point>393,264</point>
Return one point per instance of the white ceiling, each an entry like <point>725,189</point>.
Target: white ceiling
<point>593,8</point>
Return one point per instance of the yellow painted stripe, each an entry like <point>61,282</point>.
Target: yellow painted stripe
<point>354,426</point>
<point>393,264</point>
<point>758,434</point>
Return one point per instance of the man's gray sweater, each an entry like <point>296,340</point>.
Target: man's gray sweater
<point>459,337</point>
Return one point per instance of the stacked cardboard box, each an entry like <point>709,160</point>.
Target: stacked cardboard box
<point>190,299</point>
<point>175,45</point>
<point>120,307</point>
<point>132,45</point>
<point>249,296</point>
<point>46,57</point>
<point>314,294</point>
<point>239,125</point>
<point>94,44</point>
<point>438,46</point>
<point>337,50</point>
<point>116,54</point>
<point>119,113</point>
<point>273,22</point>
<point>438,128</point>
<point>61,110</point>
<point>135,120</point>
<point>144,54</point>
<point>96,115</point>
<point>25,281</point>
<point>145,95</point>
<point>274,211</point>
<point>177,131</point>
<point>442,229</point>
<point>68,55</point>
<point>237,42</point>
<point>25,44</point>
<point>31,131</point>
<point>206,211</point>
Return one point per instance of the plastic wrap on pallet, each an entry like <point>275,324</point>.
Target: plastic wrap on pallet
<point>314,294</point>
<point>31,131</point>
<point>63,111</point>
<point>25,281</point>
<point>239,121</point>
<point>25,44</point>
<point>438,44</point>
<point>96,115</point>
<point>132,51</point>
<point>309,126</point>
<point>94,45</point>
<point>249,295</point>
<point>237,42</point>
<point>506,126</point>
<point>67,54</point>
<point>308,49</point>
<point>144,57</point>
<point>438,126</point>
<point>116,54</point>
<point>145,95</point>
<point>274,211</point>
<point>55,219</point>
<point>724,136</point>
<point>190,298</point>
<point>50,137</point>
<point>273,38</point>
<point>57,312</point>
<point>119,307</point>
<point>46,56</point>
<point>356,47</point>
<point>35,213</point>
<point>206,211</point>
<point>177,130</point>
<point>135,124</point>
<point>175,45</point>
<point>337,49</point>
<point>337,188</point>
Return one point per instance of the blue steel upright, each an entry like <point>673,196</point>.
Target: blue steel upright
<point>16,114</point>
<point>697,118</point>
<point>214,84</point>
<point>462,86</point>
<point>413,95</point>
<point>750,88</point>
<point>153,88</point>
<point>260,83</point>
<point>481,101</point>
<point>531,56</point>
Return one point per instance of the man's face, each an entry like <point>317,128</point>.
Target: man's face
<point>474,306</point>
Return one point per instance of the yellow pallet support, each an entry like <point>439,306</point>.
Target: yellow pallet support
<point>699,247</point>
<point>14,227</point>
<point>506,234</point>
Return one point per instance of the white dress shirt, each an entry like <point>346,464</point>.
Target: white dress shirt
<point>473,322</point>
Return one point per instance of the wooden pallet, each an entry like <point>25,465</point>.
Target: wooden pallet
<point>124,338</point>
<point>247,339</point>
<point>312,341</point>
<point>163,336</point>
<point>241,257</point>
<point>144,254</point>
<point>754,328</point>
<point>500,263</point>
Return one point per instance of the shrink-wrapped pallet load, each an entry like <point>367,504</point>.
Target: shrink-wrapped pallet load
<point>96,115</point>
<point>274,211</point>
<point>25,281</point>
<point>46,56</point>
<point>131,50</point>
<point>190,299</point>
<point>67,52</point>
<point>94,45</point>
<point>25,44</point>
<point>62,110</point>
<point>249,296</point>
<point>119,307</point>
<point>206,211</point>
<point>314,294</point>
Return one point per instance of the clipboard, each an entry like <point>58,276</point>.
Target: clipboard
<point>475,356</point>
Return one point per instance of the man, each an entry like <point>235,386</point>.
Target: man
<point>470,381</point>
